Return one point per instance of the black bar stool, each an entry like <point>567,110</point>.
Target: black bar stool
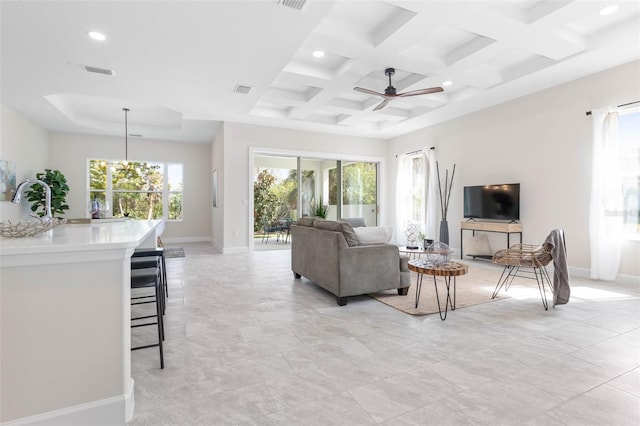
<point>158,253</point>
<point>149,278</point>
<point>150,262</point>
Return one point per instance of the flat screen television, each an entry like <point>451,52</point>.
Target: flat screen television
<point>493,202</point>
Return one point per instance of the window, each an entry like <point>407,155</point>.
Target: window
<point>629,150</point>
<point>139,190</point>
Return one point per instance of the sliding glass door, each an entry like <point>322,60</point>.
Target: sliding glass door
<point>317,195</point>
<point>329,188</point>
<point>360,191</point>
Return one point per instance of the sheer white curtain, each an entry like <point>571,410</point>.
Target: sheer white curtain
<point>404,197</point>
<point>606,209</point>
<point>413,184</point>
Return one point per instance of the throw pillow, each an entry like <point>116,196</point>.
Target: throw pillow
<point>349,233</point>
<point>477,246</point>
<point>373,234</point>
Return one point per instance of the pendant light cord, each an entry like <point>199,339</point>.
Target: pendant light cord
<point>126,135</point>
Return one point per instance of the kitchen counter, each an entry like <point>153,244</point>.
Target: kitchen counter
<point>84,236</point>
<point>65,323</point>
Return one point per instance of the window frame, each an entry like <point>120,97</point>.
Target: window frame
<point>166,193</point>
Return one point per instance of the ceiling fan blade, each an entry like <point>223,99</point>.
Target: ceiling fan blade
<point>381,105</point>
<point>421,92</point>
<point>367,91</point>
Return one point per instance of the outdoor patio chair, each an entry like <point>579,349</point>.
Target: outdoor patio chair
<point>267,229</point>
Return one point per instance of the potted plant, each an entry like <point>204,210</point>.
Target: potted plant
<point>59,189</point>
<point>319,209</point>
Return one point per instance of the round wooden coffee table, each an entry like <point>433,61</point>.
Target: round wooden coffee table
<point>446,271</point>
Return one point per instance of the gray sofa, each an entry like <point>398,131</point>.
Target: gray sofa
<point>329,254</point>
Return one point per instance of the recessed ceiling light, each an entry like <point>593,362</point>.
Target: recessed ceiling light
<point>318,53</point>
<point>96,35</point>
<point>609,10</point>
<point>447,83</point>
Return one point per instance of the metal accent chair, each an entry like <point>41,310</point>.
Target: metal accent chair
<point>524,261</point>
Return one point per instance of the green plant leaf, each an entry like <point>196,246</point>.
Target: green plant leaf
<point>59,190</point>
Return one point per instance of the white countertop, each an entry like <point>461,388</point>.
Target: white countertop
<point>82,237</point>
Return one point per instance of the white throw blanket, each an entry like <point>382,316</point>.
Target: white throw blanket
<point>561,290</point>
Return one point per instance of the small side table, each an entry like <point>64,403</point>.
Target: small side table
<point>412,253</point>
<point>447,271</point>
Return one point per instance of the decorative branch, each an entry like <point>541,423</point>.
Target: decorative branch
<point>440,190</point>
<point>453,172</point>
<point>448,185</point>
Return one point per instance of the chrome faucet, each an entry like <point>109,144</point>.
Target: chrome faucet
<point>47,211</point>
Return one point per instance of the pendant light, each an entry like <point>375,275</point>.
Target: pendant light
<point>126,137</point>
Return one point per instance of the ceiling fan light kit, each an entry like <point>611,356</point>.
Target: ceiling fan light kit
<point>391,93</point>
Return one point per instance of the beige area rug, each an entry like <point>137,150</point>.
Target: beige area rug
<point>473,288</point>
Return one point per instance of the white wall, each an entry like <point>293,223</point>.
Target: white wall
<point>70,154</point>
<point>239,138</point>
<point>542,141</point>
<point>27,145</point>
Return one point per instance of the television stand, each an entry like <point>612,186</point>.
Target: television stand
<point>499,227</point>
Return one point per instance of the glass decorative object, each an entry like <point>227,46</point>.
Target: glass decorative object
<point>438,253</point>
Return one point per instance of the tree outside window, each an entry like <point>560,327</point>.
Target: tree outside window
<point>359,184</point>
<point>139,190</point>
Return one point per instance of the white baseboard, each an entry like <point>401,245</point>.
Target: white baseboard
<point>129,402</point>
<point>178,240</point>
<point>235,250</point>
<point>620,278</point>
<point>223,250</point>
<point>578,272</point>
<point>109,411</point>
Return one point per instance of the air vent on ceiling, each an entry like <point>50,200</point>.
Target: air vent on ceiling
<point>293,4</point>
<point>97,70</point>
<point>243,90</point>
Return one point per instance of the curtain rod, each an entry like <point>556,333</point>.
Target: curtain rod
<point>414,152</point>
<point>619,106</point>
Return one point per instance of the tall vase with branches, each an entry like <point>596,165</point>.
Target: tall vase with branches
<point>445,194</point>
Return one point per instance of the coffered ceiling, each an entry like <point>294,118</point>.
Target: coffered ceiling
<point>179,65</point>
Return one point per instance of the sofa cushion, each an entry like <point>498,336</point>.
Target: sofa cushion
<point>373,234</point>
<point>327,225</point>
<point>305,221</point>
<point>349,233</point>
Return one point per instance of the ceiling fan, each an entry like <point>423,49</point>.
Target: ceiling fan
<point>390,92</point>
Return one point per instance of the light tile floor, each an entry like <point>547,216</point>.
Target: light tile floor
<point>247,344</point>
